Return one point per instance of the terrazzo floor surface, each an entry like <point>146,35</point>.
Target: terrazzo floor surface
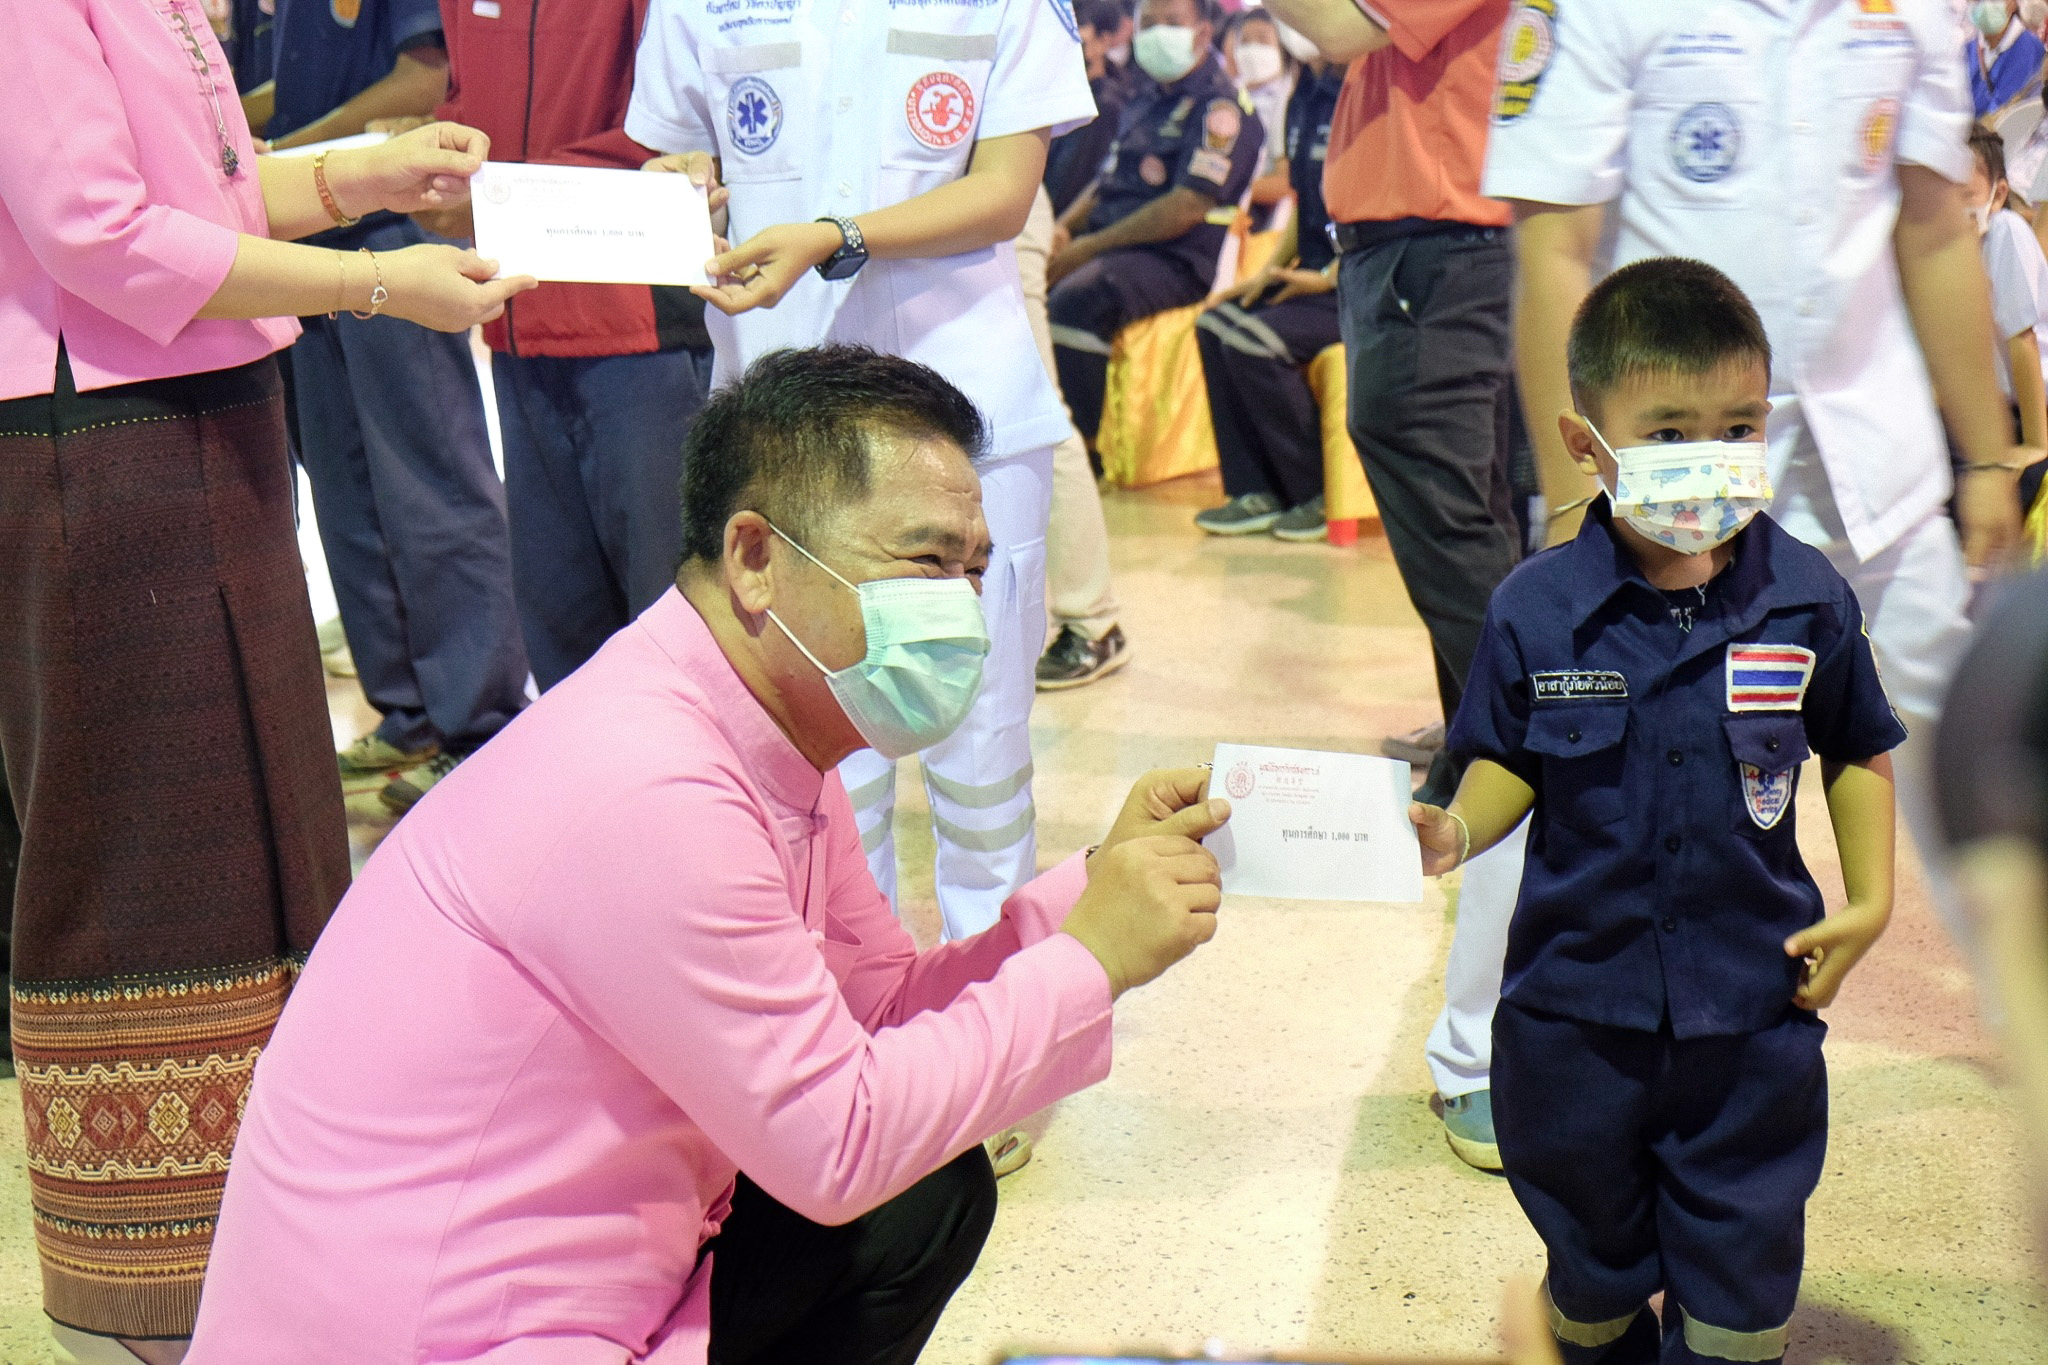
<point>1262,1170</point>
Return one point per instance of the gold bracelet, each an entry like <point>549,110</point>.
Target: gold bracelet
<point>327,196</point>
<point>340,285</point>
<point>1464,840</point>
<point>379,295</point>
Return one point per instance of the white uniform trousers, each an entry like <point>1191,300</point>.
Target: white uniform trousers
<point>979,779</point>
<point>1077,585</point>
<point>1915,595</point>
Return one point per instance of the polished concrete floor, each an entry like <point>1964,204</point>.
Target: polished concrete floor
<point>1262,1170</point>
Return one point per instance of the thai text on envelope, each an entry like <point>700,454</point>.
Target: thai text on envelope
<point>591,225</point>
<point>1306,825</point>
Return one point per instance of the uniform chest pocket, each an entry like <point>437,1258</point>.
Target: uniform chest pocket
<point>1696,137</point>
<point>1767,749</point>
<point>1582,762</point>
<point>757,97</point>
<point>934,88</point>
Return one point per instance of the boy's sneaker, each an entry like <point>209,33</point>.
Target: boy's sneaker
<point>1468,1123</point>
<point>404,791</point>
<point>1074,659</point>
<point>371,756</point>
<point>1247,514</point>
<point>1303,523</point>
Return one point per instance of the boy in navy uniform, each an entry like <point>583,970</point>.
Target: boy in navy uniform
<point>1146,236</point>
<point>1650,689</point>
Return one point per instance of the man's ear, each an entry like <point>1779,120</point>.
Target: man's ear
<point>747,560</point>
<point>2001,194</point>
<point>1578,439</point>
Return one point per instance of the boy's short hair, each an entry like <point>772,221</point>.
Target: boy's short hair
<point>1666,315</point>
<point>1989,149</point>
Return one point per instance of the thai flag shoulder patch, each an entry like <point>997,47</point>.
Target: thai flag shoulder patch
<point>1765,677</point>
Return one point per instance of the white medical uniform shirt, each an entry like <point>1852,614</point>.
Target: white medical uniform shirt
<point>819,107</point>
<point>2019,284</point>
<point>1761,136</point>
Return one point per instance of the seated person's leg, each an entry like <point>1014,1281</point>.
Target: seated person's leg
<point>1089,307</point>
<point>1266,419</point>
<point>787,1291</point>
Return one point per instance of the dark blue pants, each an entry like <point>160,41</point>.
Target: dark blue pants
<point>593,458</point>
<point>1089,307</point>
<point>412,518</point>
<point>1650,1163</point>
<point>1269,430</point>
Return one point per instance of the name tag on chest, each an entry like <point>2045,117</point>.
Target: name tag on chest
<point>1579,685</point>
<point>1768,677</point>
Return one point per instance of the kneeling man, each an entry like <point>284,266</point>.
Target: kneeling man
<point>614,1052</point>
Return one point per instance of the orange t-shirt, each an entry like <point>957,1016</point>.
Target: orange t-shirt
<point>1409,137</point>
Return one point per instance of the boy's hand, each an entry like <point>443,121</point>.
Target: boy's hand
<point>1831,948</point>
<point>1443,840</point>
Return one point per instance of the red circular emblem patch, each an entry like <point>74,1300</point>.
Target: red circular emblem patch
<point>940,110</point>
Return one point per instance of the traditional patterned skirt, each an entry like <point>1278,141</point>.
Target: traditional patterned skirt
<point>164,724</point>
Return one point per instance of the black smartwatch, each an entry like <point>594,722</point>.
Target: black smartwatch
<point>846,262</point>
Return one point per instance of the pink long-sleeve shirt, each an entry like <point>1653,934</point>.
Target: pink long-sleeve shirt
<point>116,223</point>
<point>627,949</point>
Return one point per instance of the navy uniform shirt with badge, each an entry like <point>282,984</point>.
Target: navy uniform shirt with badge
<point>1199,132</point>
<point>1663,875</point>
<point>1309,113</point>
<point>330,51</point>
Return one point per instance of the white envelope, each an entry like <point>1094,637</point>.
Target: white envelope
<point>590,224</point>
<point>334,144</point>
<point>1306,825</point>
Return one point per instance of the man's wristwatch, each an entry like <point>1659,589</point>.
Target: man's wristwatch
<point>846,262</point>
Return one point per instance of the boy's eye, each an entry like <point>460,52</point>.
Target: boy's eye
<point>1741,431</point>
<point>1667,436</point>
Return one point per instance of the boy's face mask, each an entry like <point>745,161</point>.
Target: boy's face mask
<point>1691,496</point>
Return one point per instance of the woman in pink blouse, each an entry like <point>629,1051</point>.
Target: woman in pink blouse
<point>162,713</point>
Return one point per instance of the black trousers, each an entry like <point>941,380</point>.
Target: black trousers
<point>787,1291</point>
<point>1269,431</point>
<point>1089,307</point>
<point>1425,324</point>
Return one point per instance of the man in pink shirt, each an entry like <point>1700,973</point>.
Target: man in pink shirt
<point>632,949</point>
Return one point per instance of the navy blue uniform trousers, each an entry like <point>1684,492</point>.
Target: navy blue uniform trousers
<point>1089,307</point>
<point>1650,1163</point>
<point>412,519</point>
<point>593,460</point>
<point>1269,431</point>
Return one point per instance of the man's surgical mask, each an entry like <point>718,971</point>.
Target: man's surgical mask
<point>1990,17</point>
<point>1691,496</point>
<point>922,671</point>
<point>1303,47</point>
<point>1258,63</point>
<point>1165,52</point>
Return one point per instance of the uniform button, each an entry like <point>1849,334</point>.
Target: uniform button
<point>848,17</point>
<point>1772,744</point>
<point>845,189</point>
<point>1675,757</point>
<point>1802,126</point>
<point>1573,736</point>
<point>1672,843</point>
<point>1670,925</point>
<point>1805,308</point>
<point>846,101</point>
<point>1806,217</point>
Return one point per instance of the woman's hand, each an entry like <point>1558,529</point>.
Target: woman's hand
<point>760,270</point>
<point>702,168</point>
<point>427,168</point>
<point>443,287</point>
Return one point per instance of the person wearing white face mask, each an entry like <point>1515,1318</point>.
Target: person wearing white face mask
<point>2005,54</point>
<point>1645,696</point>
<point>654,1073</point>
<point>1267,73</point>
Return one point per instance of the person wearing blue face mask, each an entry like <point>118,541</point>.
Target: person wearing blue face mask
<point>1645,696</point>
<point>654,1071</point>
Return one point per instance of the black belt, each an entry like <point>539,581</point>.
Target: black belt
<point>1349,237</point>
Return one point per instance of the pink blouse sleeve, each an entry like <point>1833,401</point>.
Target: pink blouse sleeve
<point>69,178</point>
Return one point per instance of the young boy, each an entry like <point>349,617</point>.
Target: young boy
<point>1650,690</point>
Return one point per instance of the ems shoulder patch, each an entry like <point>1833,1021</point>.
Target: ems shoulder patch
<point>1209,165</point>
<point>1764,677</point>
<point>1221,125</point>
<point>1063,10</point>
<point>1525,53</point>
<point>1579,684</point>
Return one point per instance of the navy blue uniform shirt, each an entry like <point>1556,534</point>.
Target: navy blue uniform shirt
<point>1309,111</point>
<point>329,51</point>
<point>1074,159</point>
<point>1199,132</point>
<point>1663,876</point>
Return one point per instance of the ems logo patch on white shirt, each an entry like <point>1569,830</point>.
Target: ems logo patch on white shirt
<point>1706,142</point>
<point>753,115</point>
<point>1764,677</point>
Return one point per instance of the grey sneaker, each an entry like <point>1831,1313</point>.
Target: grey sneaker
<point>1247,514</point>
<point>404,791</point>
<point>1468,1123</point>
<point>1303,523</point>
<point>1418,747</point>
<point>371,756</point>
<point>1073,659</point>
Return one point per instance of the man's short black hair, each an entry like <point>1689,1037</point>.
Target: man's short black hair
<point>1104,16</point>
<point>1989,149</point>
<point>1666,315</point>
<point>790,439</point>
